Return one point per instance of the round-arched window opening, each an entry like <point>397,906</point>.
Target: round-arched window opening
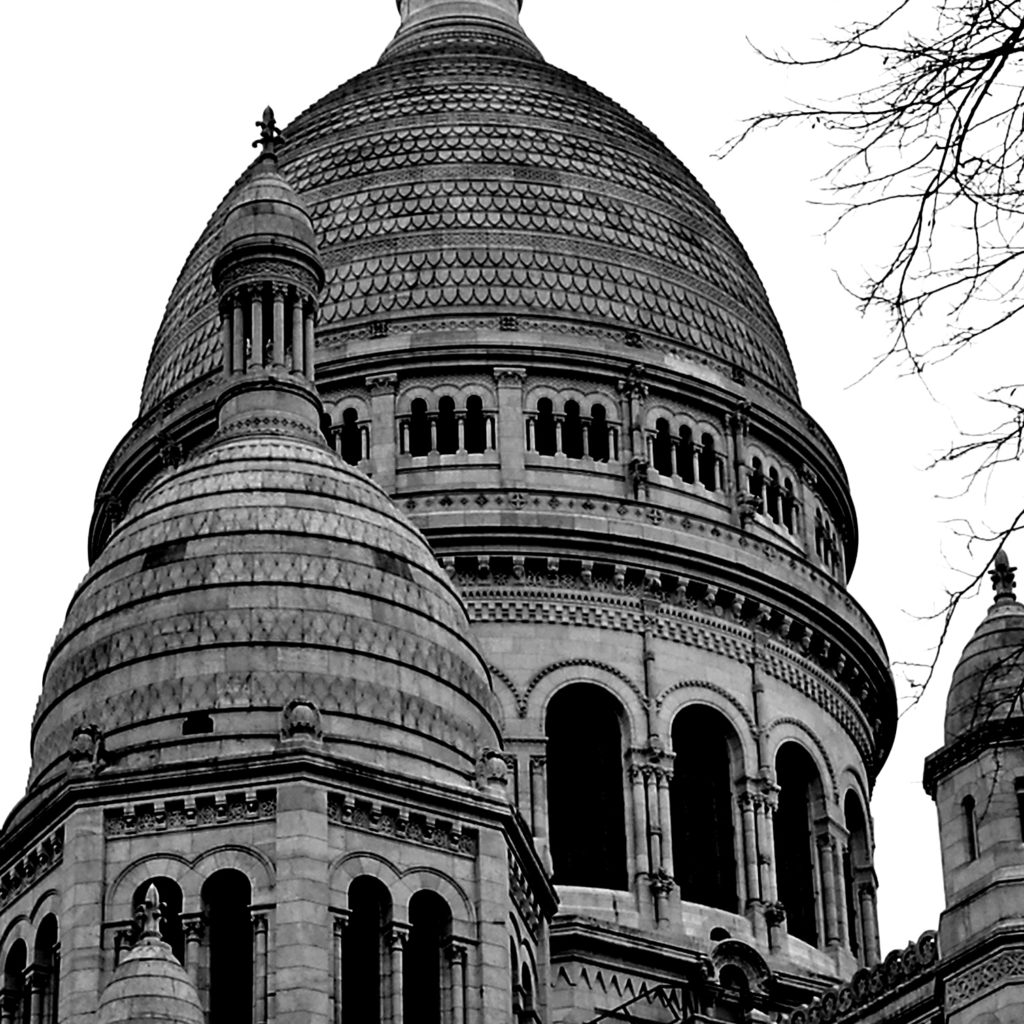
<point>363,950</point>
<point>719,934</point>
<point>227,895</point>
<point>586,778</point>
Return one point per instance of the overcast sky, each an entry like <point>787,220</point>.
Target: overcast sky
<point>125,124</point>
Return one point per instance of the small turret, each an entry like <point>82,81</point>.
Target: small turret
<point>268,275</point>
<point>977,781</point>
<point>149,984</point>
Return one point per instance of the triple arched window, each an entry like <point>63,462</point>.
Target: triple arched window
<point>447,428</point>
<point>685,455</point>
<point>777,492</point>
<point>573,430</point>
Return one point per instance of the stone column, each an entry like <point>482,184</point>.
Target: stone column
<point>226,347</point>
<point>842,922</point>
<point>298,347</point>
<point>559,450</point>
<point>396,946</point>
<point>461,425</point>
<point>383,390</point>
<point>665,812</point>
<point>510,381</point>
<point>256,315</point>
<point>338,966</point>
<point>457,971</point>
<point>869,923</point>
<point>771,805</point>
<point>653,829</point>
<point>309,344</point>
<point>539,796</point>
<point>259,973</point>
<point>35,981</point>
<point>746,801</point>
<point>641,861</point>
<point>828,888</point>
<point>193,928</point>
<point>764,857</point>
<point>237,334</point>
<point>279,296</point>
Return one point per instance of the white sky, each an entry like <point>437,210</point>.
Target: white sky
<point>125,124</point>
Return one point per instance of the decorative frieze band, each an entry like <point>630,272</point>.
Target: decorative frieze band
<point>27,870</point>
<point>370,816</point>
<point>1005,966</point>
<point>189,812</point>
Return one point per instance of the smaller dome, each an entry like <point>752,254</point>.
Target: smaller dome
<point>149,984</point>
<point>988,683</point>
<point>266,217</point>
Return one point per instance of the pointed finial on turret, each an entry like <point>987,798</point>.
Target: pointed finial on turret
<point>149,914</point>
<point>1003,577</point>
<point>270,135</point>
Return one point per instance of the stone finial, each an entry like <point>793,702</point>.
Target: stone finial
<point>270,134</point>
<point>150,914</point>
<point>1003,577</point>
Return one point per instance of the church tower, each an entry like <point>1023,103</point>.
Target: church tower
<point>466,637</point>
<point>977,782</point>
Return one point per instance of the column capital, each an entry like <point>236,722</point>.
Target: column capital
<point>456,950</point>
<point>194,927</point>
<point>383,384</point>
<point>398,936</point>
<point>259,922</point>
<point>510,376</point>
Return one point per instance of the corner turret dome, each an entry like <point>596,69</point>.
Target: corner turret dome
<point>149,984</point>
<point>989,679</point>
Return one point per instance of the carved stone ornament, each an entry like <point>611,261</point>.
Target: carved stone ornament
<point>301,720</point>
<point>86,749</point>
<point>492,773</point>
<point>774,914</point>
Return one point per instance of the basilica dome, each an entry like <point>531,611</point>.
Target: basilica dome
<point>465,177</point>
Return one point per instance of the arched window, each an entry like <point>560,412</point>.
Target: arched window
<point>684,454</point>
<point>226,898</point>
<point>447,427</point>
<point>526,989</point>
<point>572,431</point>
<point>586,808</point>
<point>363,951</point>
<point>171,930</point>
<point>351,437</point>
<point>664,448</point>
<point>599,447</point>
<point>970,815</point>
<point>419,429</point>
<point>755,479</point>
<point>856,858</point>
<point>703,843</point>
<point>476,425</point>
<point>426,977</point>
<point>799,801</point>
<point>15,994</point>
<point>774,495</point>
<point>545,429</point>
<point>708,463</point>
<point>47,966</point>
<point>788,505</point>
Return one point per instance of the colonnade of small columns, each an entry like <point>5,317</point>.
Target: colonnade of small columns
<point>268,325</point>
<point>649,812</point>
<point>395,939</point>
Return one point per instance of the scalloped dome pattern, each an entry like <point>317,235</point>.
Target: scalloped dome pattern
<point>464,178</point>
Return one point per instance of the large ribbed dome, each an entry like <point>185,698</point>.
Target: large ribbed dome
<point>463,177</point>
<point>258,573</point>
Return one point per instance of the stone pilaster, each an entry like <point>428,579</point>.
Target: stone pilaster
<point>383,390</point>
<point>511,429</point>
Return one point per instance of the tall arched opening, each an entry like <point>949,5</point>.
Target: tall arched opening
<point>171,930</point>
<point>800,802</point>
<point>703,816</point>
<point>227,895</point>
<point>586,807</point>
<point>426,977</point>
<point>856,859</point>
<point>364,952</point>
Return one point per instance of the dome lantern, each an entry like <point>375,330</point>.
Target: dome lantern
<point>268,275</point>
<point>268,272</point>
